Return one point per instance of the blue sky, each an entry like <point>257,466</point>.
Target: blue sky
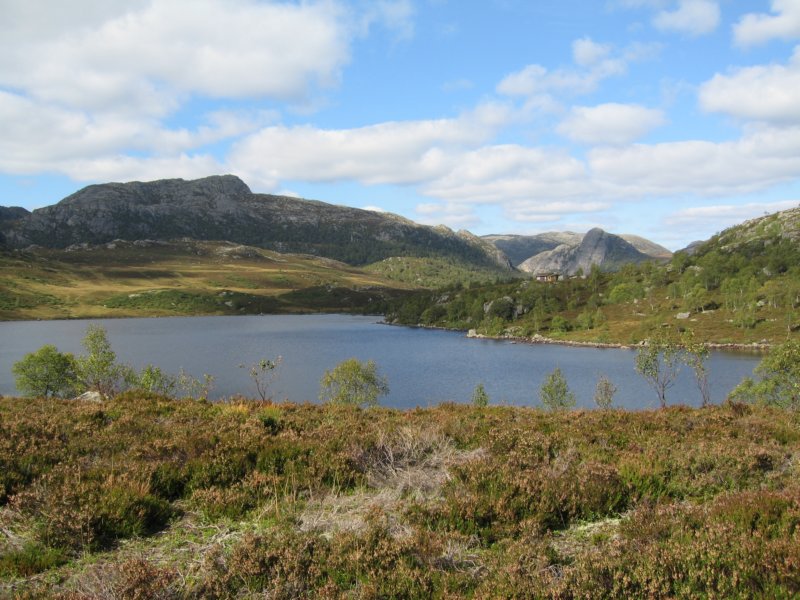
<point>671,119</point>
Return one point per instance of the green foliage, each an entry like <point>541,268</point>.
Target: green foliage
<point>604,393</point>
<point>779,379</point>
<point>353,382</point>
<point>98,369</point>
<point>559,324</point>
<point>555,393</point>
<point>29,560</point>
<point>479,396</point>
<point>658,362</point>
<point>695,356</point>
<point>46,372</point>
<point>152,379</point>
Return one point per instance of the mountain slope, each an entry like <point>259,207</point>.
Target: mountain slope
<point>224,208</point>
<point>597,247</point>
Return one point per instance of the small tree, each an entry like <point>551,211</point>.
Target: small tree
<point>45,373</point>
<point>779,383</point>
<point>479,397</point>
<point>555,393</point>
<point>98,369</point>
<point>658,361</point>
<point>263,374</point>
<point>604,393</point>
<point>153,379</point>
<point>353,382</point>
<point>695,356</point>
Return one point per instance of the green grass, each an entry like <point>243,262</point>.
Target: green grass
<point>180,278</point>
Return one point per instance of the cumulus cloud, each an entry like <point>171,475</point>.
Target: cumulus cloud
<point>757,28</point>
<point>402,152</point>
<point>182,46</point>
<point>610,123</point>
<point>587,52</point>
<point>535,79</point>
<point>761,158</point>
<point>503,173</point>
<point>594,62</point>
<point>395,15</point>
<point>693,17</point>
<point>727,214</point>
<point>763,92</point>
<point>457,215</point>
<point>91,80</point>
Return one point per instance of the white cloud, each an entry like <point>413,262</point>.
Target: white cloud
<point>595,62</point>
<point>41,137</point>
<point>129,168</point>
<point>394,15</point>
<point>503,173</point>
<point>763,92</point>
<point>610,123</point>
<point>761,158</point>
<point>403,152</point>
<point>455,214</point>
<point>587,52</point>
<point>725,214</point>
<point>152,53</point>
<point>693,17</point>
<point>535,80</point>
<point>757,28</point>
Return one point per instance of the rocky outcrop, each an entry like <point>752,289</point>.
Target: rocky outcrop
<point>224,208</point>
<point>519,248</point>
<point>597,247</point>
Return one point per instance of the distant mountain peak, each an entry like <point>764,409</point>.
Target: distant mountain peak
<point>597,247</point>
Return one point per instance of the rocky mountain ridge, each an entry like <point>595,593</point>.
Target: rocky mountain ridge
<point>597,247</point>
<point>224,208</point>
<point>565,252</point>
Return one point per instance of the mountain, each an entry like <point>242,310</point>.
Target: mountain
<point>519,248</point>
<point>645,246</point>
<point>223,208</point>
<point>597,247</point>
<point>557,251</point>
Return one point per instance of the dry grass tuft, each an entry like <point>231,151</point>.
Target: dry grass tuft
<point>408,465</point>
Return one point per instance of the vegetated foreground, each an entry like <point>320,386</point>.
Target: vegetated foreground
<point>145,496</point>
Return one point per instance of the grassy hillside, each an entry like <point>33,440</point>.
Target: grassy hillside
<point>149,497</point>
<point>434,272</point>
<point>740,287</point>
<point>180,278</point>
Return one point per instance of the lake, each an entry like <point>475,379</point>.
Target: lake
<point>424,367</point>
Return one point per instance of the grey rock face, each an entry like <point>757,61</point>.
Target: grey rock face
<point>519,248</point>
<point>597,247</point>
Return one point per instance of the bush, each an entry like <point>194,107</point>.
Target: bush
<point>555,393</point>
<point>604,393</point>
<point>98,370</point>
<point>779,383</point>
<point>353,382</point>
<point>479,397</point>
<point>46,372</point>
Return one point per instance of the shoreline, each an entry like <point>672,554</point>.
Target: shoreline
<point>753,347</point>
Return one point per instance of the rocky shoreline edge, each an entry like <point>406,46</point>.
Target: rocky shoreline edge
<point>759,347</point>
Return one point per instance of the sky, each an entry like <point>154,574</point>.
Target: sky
<point>670,119</point>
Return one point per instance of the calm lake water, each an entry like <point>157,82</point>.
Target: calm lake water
<point>424,367</point>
